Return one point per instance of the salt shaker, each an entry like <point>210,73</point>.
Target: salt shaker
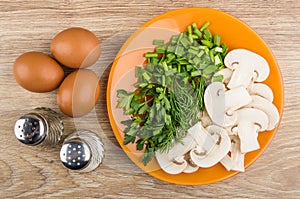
<point>41,127</point>
<point>82,151</point>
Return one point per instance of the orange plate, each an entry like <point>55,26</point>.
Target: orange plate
<point>234,33</point>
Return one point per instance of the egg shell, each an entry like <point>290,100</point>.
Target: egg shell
<point>78,93</point>
<point>76,48</point>
<point>37,72</point>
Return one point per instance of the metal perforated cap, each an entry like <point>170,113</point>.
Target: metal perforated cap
<point>75,155</point>
<point>31,129</point>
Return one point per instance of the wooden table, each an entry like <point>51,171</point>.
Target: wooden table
<point>31,173</point>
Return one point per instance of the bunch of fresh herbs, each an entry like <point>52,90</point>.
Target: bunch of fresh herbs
<point>170,88</point>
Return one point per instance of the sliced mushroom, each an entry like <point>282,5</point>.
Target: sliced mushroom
<point>207,159</point>
<point>262,90</point>
<point>247,65</point>
<point>171,166</point>
<point>202,137</point>
<point>221,105</point>
<point>186,144</point>
<point>266,106</point>
<point>214,100</point>
<point>226,73</point>
<point>236,159</point>
<point>250,121</point>
<point>190,169</point>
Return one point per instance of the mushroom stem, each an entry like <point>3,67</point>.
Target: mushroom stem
<point>249,119</point>
<point>241,76</point>
<point>236,98</point>
<point>236,160</point>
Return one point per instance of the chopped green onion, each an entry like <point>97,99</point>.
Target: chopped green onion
<point>189,67</point>
<point>179,38</point>
<point>189,30</point>
<point>200,53</point>
<point>174,39</point>
<point>150,66</point>
<point>198,33</point>
<point>196,73</point>
<point>190,33</point>
<point>211,54</point>
<point>217,40</point>
<point>171,49</point>
<point>161,49</point>
<point>192,51</point>
<point>146,76</point>
<point>218,60</point>
<point>194,26</point>
<point>225,49</point>
<point>205,25</point>
<point>185,42</point>
<point>150,55</point>
<point>158,42</point>
<point>218,49</point>
<point>179,50</point>
<point>210,69</point>
<point>163,81</point>
<point>170,57</point>
<point>207,43</point>
<point>165,66</point>
<point>182,61</point>
<point>197,60</point>
<point>217,78</point>
<point>154,60</point>
<point>207,35</point>
<point>194,37</point>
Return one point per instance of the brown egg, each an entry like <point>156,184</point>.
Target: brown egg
<point>76,48</point>
<point>78,93</point>
<point>37,72</point>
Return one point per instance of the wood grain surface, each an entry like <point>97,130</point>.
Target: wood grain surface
<point>28,172</point>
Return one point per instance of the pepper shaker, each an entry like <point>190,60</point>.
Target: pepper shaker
<point>82,151</point>
<point>41,127</point>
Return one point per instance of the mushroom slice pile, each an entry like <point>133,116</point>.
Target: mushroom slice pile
<point>251,104</point>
